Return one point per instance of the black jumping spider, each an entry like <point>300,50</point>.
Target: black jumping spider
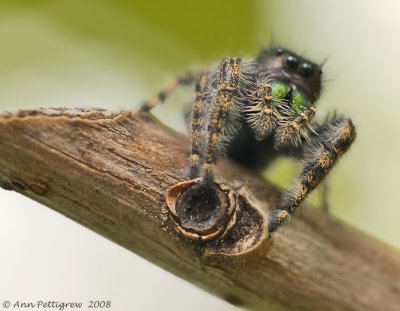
<point>253,110</point>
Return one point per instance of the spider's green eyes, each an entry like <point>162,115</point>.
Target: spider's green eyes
<point>291,62</point>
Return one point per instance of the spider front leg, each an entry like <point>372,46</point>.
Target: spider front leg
<point>224,111</point>
<point>198,122</point>
<point>203,208</point>
<point>321,154</point>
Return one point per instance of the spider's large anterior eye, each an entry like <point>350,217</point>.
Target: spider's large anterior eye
<point>306,69</point>
<point>291,62</point>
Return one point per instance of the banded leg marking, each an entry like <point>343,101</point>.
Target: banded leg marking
<point>291,132</point>
<point>183,80</point>
<point>334,139</point>
<point>198,116</point>
<point>227,84</point>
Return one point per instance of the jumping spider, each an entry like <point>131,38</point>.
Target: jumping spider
<point>253,110</point>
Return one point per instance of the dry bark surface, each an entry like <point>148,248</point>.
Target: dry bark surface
<point>110,172</point>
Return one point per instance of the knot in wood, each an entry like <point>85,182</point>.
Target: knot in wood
<point>202,212</point>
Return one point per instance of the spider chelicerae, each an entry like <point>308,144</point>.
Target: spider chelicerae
<point>254,110</point>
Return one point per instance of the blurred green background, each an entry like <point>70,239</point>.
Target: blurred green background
<point>115,54</point>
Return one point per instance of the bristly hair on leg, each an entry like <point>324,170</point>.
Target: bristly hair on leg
<point>198,117</point>
<point>234,78</point>
<point>261,111</point>
<point>321,154</point>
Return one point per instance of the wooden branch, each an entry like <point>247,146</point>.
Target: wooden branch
<point>110,172</point>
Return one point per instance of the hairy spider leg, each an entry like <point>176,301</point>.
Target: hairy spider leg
<point>335,137</point>
<point>183,80</point>
<point>262,114</point>
<point>198,121</point>
<point>292,129</point>
<point>224,109</point>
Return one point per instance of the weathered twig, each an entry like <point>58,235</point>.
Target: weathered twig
<point>110,173</point>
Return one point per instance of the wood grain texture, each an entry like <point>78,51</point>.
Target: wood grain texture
<point>109,172</point>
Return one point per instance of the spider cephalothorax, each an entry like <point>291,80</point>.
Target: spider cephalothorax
<point>253,110</point>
